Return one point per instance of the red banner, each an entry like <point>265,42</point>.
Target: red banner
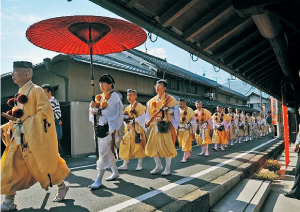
<point>286,135</point>
<point>274,110</point>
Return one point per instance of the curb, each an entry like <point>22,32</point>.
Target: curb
<point>208,195</point>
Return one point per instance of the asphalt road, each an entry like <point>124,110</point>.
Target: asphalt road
<point>139,190</point>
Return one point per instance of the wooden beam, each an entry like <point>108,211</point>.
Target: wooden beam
<point>222,10</point>
<point>233,27</point>
<point>273,85</point>
<point>257,64</point>
<point>176,10</point>
<point>263,71</point>
<point>131,3</point>
<point>239,44</point>
<point>265,78</point>
<point>255,57</point>
<point>253,50</point>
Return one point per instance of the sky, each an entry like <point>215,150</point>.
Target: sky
<point>18,15</point>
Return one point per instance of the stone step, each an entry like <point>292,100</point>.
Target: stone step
<point>247,196</point>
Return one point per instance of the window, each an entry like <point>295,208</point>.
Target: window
<point>173,85</point>
<point>191,88</point>
<point>228,98</point>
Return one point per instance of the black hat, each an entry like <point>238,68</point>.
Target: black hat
<point>107,78</point>
<point>22,64</point>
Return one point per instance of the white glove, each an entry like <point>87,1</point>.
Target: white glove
<point>171,112</point>
<point>94,110</point>
<point>131,121</point>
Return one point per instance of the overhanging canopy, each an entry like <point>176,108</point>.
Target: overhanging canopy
<point>258,41</point>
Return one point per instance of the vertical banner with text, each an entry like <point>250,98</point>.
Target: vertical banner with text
<point>274,110</point>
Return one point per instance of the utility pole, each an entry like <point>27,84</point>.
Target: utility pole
<point>260,99</point>
<point>216,78</point>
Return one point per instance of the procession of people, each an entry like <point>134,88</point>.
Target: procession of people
<point>32,156</point>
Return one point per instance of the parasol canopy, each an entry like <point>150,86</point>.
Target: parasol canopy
<point>76,34</point>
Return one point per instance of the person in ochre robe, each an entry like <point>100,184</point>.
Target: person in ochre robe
<point>186,129</point>
<point>31,153</point>
<point>203,128</point>
<point>162,117</point>
<point>219,136</point>
<point>134,139</point>
<point>233,126</point>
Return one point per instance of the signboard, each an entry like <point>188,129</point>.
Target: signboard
<point>274,110</point>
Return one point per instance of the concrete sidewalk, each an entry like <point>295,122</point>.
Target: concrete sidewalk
<point>276,201</point>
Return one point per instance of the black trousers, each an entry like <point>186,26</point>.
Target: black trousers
<point>296,188</point>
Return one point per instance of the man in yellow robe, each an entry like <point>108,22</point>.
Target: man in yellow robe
<point>203,128</point>
<point>31,153</point>
<point>232,126</point>
<point>134,139</point>
<point>219,136</point>
<point>241,124</point>
<point>185,129</point>
<point>259,125</point>
<point>227,124</point>
<point>161,138</point>
<point>248,122</point>
<point>254,125</point>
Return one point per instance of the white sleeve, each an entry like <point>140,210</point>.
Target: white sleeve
<point>175,116</point>
<point>91,114</point>
<point>114,112</point>
<point>193,123</point>
<point>210,123</point>
<point>141,120</point>
<point>215,125</point>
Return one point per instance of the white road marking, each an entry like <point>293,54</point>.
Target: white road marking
<point>169,186</point>
<point>94,164</point>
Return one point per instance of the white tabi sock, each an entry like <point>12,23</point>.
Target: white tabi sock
<point>98,181</point>
<point>115,173</point>
<point>158,166</point>
<point>167,170</point>
<point>140,164</point>
<point>124,165</point>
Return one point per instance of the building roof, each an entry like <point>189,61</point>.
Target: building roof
<point>212,104</point>
<point>182,73</point>
<point>138,62</point>
<point>228,90</point>
<point>173,69</point>
<point>244,88</point>
<point>255,94</point>
<point>119,61</point>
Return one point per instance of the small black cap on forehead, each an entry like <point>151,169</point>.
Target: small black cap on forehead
<point>22,64</point>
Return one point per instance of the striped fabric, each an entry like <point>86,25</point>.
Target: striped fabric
<point>56,108</point>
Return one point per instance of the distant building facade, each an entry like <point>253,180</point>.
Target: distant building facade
<point>70,76</point>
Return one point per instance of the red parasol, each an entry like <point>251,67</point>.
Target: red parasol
<point>85,35</point>
<point>76,34</point>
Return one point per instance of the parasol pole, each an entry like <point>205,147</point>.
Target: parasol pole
<point>93,88</point>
